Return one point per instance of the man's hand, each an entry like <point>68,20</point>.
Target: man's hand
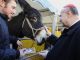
<point>44,53</point>
<point>48,32</point>
<point>19,43</point>
<point>23,52</point>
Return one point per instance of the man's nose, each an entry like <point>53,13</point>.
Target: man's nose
<point>14,12</point>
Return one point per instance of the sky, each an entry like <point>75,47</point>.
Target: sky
<point>56,5</point>
<point>60,3</point>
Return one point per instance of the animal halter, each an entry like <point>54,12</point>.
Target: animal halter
<point>34,33</point>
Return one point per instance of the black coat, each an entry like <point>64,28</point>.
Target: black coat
<point>67,46</point>
<point>6,53</point>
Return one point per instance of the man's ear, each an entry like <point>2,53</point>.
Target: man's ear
<point>69,13</point>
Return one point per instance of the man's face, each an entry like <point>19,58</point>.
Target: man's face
<point>64,16</point>
<point>10,9</point>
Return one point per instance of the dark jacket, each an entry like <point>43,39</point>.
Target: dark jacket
<point>50,42</point>
<point>67,46</point>
<point>6,53</point>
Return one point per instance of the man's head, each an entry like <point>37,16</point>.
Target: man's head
<point>68,14</point>
<point>9,7</point>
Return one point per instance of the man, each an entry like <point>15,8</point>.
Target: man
<point>7,9</point>
<point>11,12</point>
<point>67,46</point>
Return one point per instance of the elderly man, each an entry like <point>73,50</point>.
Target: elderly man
<point>67,46</point>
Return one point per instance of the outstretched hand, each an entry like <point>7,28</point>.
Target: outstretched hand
<point>19,43</point>
<point>44,53</point>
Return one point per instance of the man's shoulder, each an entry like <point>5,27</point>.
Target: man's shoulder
<point>1,20</point>
<point>78,29</point>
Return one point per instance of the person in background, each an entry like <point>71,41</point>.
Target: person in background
<point>67,46</point>
<point>7,10</point>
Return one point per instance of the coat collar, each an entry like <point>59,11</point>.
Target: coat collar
<point>5,17</point>
<point>72,29</point>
